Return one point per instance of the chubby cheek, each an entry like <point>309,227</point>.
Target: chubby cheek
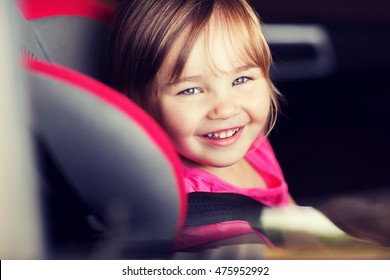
<point>261,109</point>
<point>257,107</point>
<point>168,116</point>
<point>264,102</point>
<point>177,121</point>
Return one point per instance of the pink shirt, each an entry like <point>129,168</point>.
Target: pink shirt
<point>263,159</point>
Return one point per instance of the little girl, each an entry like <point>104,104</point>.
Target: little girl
<point>201,69</point>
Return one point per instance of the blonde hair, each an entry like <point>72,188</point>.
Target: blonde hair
<point>147,30</point>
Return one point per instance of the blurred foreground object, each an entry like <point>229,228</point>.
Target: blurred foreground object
<point>93,150</point>
<point>364,215</point>
<point>306,233</point>
<point>20,223</point>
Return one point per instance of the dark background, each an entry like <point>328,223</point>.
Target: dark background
<point>334,134</point>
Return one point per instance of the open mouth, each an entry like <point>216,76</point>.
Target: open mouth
<point>222,134</point>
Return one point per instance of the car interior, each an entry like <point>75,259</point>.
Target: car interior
<point>77,185</point>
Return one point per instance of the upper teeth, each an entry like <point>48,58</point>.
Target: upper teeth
<point>223,134</point>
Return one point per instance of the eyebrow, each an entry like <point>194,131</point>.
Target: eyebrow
<point>196,78</point>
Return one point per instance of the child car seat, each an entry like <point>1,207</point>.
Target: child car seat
<point>110,179</point>
<point>42,17</point>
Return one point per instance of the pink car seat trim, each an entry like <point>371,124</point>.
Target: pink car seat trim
<point>198,235</point>
<point>34,9</point>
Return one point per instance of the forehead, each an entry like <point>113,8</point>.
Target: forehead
<point>221,45</point>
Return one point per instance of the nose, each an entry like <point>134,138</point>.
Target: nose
<point>223,107</point>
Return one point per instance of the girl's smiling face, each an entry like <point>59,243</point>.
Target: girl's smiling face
<point>217,107</point>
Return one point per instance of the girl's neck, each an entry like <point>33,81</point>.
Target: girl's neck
<point>241,174</point>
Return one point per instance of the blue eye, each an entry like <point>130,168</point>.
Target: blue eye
<point>189,91</point>
<point>239,81</point>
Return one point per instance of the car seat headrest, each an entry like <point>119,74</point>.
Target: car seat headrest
<point>71,33</point>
